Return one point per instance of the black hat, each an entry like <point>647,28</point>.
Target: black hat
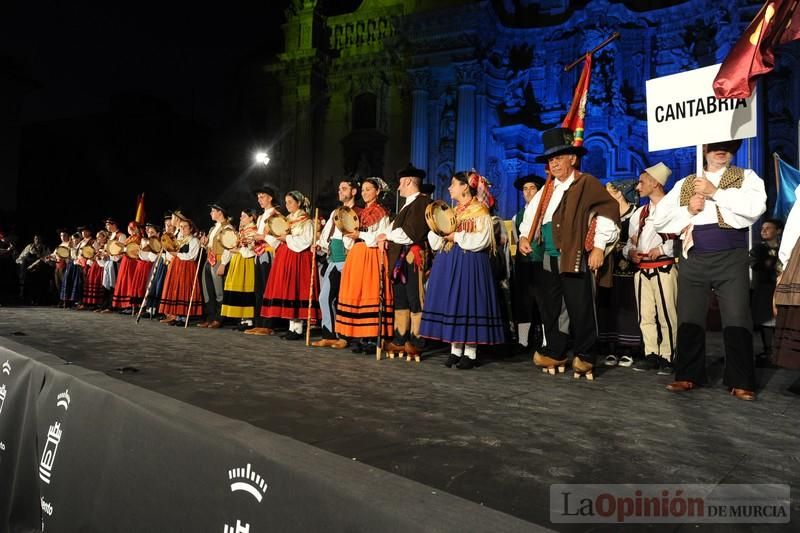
<point>218,207</point>
<point>411,172</point>
<point>178,213</point>
<point>519,183</point>
<point>167,215</point>
<point>427,188</point>
<point>266,189</point>
<point>110,220</point>
<point>728,146</point>
<point>151,225</point>
<point>558,141</point>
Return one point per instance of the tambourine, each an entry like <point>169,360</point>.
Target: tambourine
<point>132,250</point>
<point>168,243</point>
<point>115,248</point>
<point>441,218</point>
<point>346,219</point>
<point>277,225</point>
<point>88,252</point>
<point>63,252</point>
<point>229,238</point>
<point>153,245</point>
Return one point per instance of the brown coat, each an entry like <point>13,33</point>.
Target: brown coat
<point>412,220</point>
<point>586,197</point>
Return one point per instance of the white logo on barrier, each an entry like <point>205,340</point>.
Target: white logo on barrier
<point>250,482</point>
<point>63,400</point>
<point>49,454</point>
<point>2,446</point>
<point>2,396</point>
<point>7,368</point>
<point>238,529</point>
<point>47,508</point>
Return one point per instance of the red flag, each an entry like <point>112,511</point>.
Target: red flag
<point>753,55</point>
<point>140,214</point>
<point>577,111</point>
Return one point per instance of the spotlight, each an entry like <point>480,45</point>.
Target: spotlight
<point>263,158</point>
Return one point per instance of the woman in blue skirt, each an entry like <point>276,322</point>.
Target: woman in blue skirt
<point>461,303</point>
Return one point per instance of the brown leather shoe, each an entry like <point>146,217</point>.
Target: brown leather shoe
<point>259,331</point>
<point>743,394</point>
<point>338,344</point>
<point>202,324</point>
<point>680,386</point>
<point>216,324</point>
<point>322,343</point>
<point>169,319</point>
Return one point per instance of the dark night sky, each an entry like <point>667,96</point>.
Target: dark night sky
<point>195,65</point>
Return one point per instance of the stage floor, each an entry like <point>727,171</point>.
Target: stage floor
<point>498,435</point>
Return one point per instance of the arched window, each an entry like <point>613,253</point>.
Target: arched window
<point>365,110</point>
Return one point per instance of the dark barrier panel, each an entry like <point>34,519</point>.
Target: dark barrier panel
<point>85,452</point>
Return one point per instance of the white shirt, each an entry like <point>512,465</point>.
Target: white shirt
<point>329,232</point>
<point>397,235</point>
<point>370,235</point>
<point>473,241</point>
<point>606,230</point>
<point>649,237</point>
<point>301,235</point>
<point>261,227</point>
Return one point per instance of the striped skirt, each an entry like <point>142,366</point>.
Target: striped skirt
<point>359,294</point>
<point>178,289</point>
<point>129,289</point>
<point>461,302</point>
<point>286,293</point>
<point>93,287</point>
<point>239,298</point>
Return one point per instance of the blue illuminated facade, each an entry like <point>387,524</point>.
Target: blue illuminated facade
<point>452,85</point>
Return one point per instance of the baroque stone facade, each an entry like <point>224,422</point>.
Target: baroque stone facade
<point>450,85</point>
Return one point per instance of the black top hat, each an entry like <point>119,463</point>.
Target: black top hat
<point>266,189</point>
<point>427,188</point>
<point>181,216</point>
<point>151,225</point>
<point>558,141</point>
<point>218,207</point>
<point>110,220</point>
<point>519,183</point>
<point>167,215</point>
<point>411,172</point>
<point>728,146</point>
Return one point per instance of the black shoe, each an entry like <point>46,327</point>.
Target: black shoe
<point>292,336</point>
<point>465,363</point>
<point>452,360</point>
<point>665,367</point>
<point>127,311</point>
<point>358,347</point>
<point>650,362</point>
<point>369,347</point>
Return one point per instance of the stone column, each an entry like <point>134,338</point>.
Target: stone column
<point>467,76</point>
<point>420,87</point>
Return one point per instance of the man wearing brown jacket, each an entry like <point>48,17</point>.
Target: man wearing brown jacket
<point>576,221</point>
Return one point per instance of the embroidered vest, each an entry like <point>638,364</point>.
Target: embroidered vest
<point>732,178</point>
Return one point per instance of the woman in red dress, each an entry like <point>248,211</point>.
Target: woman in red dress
<point>178,294</point>
<point>125,289</point>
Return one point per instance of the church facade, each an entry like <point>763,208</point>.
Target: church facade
<point>450,85</point>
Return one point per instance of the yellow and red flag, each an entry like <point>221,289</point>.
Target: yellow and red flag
<point>753,55</point>
<point>140,213</point>
<point>577,111</point>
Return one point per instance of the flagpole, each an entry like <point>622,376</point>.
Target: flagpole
<point>614,37</point>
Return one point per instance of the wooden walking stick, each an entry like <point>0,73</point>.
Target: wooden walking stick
<point>381,302</point>
<point>313,275</point>
<point>149,285</point>
<point>194,286</point>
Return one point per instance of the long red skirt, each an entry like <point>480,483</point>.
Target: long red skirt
<point>178,289</point>
<point>286,293</point>
<point>125,288</point>
<point>359,294</point>
<point>139,282</point>
<point>93,287</point>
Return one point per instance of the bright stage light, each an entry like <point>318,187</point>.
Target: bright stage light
<point>263,158</point>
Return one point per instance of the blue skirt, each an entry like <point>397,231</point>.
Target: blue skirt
<point>72,285</point>
<point>157,286</point>
<point>461,303</point>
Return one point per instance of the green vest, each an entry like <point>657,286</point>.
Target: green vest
<point>337,251</point>
<point>538,250</point>
<point>549,244</point>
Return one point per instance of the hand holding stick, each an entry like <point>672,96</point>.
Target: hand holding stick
<point>311,282</point>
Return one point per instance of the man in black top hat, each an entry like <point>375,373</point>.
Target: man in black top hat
<point>576,221</point>
<point>406,252</point>
<point>214,269</point>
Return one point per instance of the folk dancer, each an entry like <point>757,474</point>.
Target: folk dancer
<point>461,307</point>
<point>87,239</point>
<point>128,289</point>
<point>712,213</point>
<point>526,273</point>
<point>764,264</point>
<point>787,296</point>
<point>30,271</point>
<point>407,243</point>
<point>239,297</point>
<point>157,286</point>
<point>181,282</point>
<point>147,262</point>
<point>111,266</point>
<point>576,220</point>
<point>332,244</point>
<point>213,272</point>
<point>656,281</point>
<point>72,285</point>
<point>59,263</point>
<point>358,310</point>
<point>287,291</point>
<point>265,255</point>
